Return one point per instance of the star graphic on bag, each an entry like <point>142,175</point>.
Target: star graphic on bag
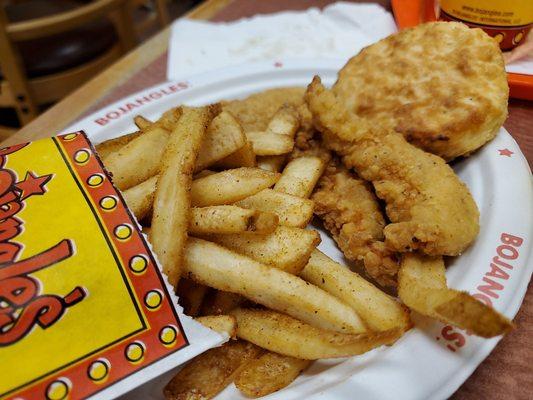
<point>32,184</point>
<point>506,152</point>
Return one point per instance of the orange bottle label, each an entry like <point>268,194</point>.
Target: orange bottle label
<point>507,21</point>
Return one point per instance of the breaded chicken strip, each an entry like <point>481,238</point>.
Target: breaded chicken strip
<point>350,211</point>
<point>430,208</point>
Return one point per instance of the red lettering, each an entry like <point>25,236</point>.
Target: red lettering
<point>9,228</point>
<point>113,115</point>
<point>130,106</point>
<point>488,289</point>
<point>497,272</point>
<point>155,95</point>
<point>53,255</point>
<point>12,149</point>
<point>512,255</point>
<point>497,260</point>
<point>143,100</point>
<point>8,252</point>
<point>7,178</point>
<point>512,240</point>
<point>450,334</point>
<point>101,121</point>
<point>484,299</point>
<point>9,209</point>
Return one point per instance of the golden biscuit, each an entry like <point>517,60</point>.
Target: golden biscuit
<point>442,85</point>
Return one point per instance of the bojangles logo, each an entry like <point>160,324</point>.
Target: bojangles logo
<point>22,306</point>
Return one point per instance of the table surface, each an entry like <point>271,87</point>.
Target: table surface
<point>506,374</point>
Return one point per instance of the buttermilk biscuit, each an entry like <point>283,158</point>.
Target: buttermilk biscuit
<point>441,85</point>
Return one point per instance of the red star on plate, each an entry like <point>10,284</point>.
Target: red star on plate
<point>32,184</point>
<point>278,64</point>
<point>505,152</point>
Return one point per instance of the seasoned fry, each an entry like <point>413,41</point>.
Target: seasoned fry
<point>300,176</point>
<point>291,210</point>
<point>285,121</point>
<point>140,198</point>
<point>244,157</point>
<point>141,122</point>
<point>209,373</point>
<point>191,295</point>
<point>133,164</point>
<point>379,311</point>
<point>231,219</point>
<point>422,287</point>
<point>229,186</point>
<point>110,146</point>
<point>223,138</point>
<point>224,324</point>
<point>286,248</point>
<point>271,163</point>
<point>269,373</point>
<point>285,335</point>
<point>171,203</point>
<point>215,266</point>
<point>270,144</point>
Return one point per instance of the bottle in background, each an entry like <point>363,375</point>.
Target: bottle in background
<point>507,21</point>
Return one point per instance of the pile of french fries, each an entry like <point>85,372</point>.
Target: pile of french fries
<point>229,227</point>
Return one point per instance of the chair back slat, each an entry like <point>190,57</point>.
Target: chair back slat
<point>62,22</point>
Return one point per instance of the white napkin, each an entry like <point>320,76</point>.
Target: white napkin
<point>339,31</point>
<point>524,66</point>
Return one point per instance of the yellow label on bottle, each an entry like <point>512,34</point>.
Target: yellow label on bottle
<point>490,12</point>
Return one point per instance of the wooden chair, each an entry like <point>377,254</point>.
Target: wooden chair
<point>159,15</point>
<point>25,84</point>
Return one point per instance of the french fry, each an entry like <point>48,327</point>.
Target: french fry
<point>291,210</point>
<point>220,268</point>
<point>224,324</point>
<point>300,176</point>
<point>285,335</point>
<point>171,212</point>
<point>223,138</point>
<point>270,144</point>
<point>133,164</point>
<point>271,163</point>
<point>231,219</point>
<point>269,373</point>
<point>379,311</point>
<point>209,373</point>
<point>244,157</point>
<point>191,295</point>
<point>222,303</point>
<point>141,122</point>
<point>211,219</point>
<point>140,198</point>
<point>285,121</point>
<point>422,287</point>
<point>229,186</point>
<point>286,248</point>
<point>110,146</point>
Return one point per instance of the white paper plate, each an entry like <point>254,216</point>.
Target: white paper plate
<point>431,361</point>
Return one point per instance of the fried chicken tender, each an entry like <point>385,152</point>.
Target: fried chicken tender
<point>255,111</point>
<point>350,211</point>
<point>431,210</point>
<point>442,85</point>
